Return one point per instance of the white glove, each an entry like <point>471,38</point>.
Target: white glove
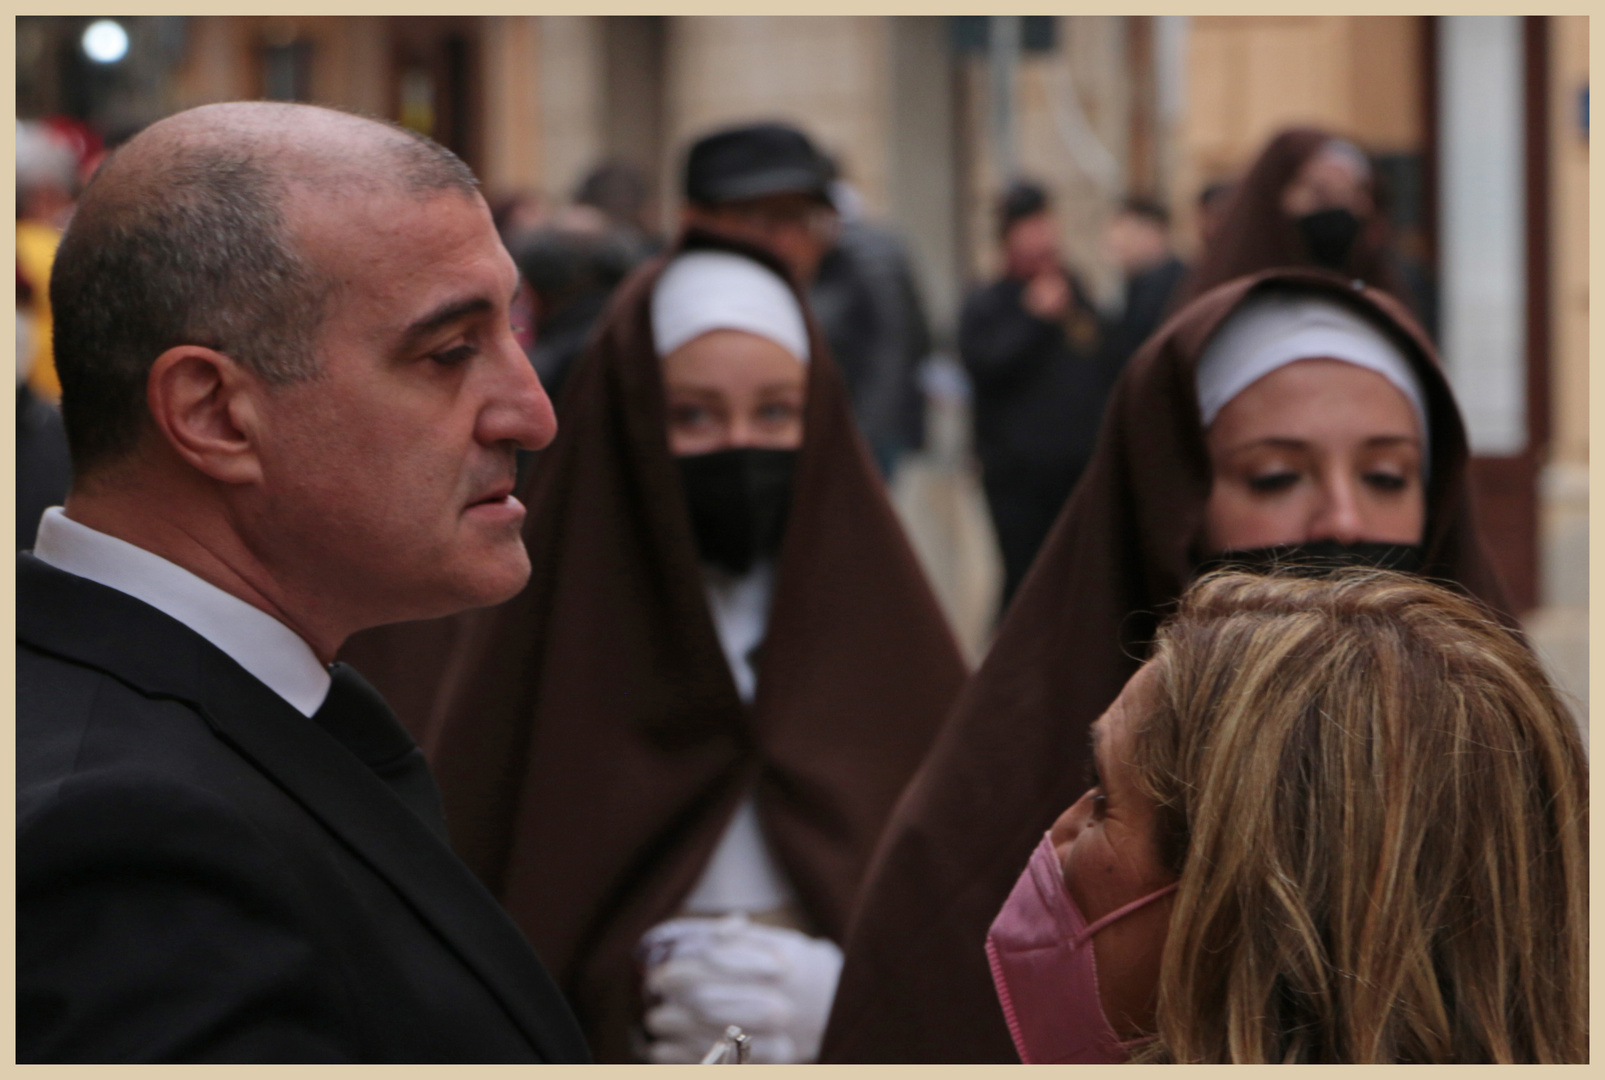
<point>706,974</point>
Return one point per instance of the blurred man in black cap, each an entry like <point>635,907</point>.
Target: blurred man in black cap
<point>1037,355</point>
<point>768,184</point>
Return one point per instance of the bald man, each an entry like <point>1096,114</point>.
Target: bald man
<point>293,398</point>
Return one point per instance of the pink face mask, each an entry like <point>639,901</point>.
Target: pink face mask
<point>1040,948</point>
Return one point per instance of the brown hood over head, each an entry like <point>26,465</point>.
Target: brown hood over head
<point>916,986</point>
<point>588,738</point>
<point>1255,234</point>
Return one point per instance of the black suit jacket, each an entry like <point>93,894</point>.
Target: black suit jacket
<point>205,874</point>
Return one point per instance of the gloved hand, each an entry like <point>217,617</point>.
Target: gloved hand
<point>702,975</point>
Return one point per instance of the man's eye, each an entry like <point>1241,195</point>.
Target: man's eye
<point>456,355</point>
<point>1100,803</point>
<point>688,415</point>
<point>1271,483</point>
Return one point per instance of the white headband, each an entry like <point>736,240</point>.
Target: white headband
<point>1272,330</point>
<point>719,290</point>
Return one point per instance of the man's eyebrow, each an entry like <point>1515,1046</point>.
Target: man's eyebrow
<point>450,312</point>
<point>447,313</point>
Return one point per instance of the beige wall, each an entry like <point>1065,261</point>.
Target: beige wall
<point>513,125</point>
<point>213,69</point>
<point>348,65</point>
<point>351,61</point>
<point>571,75</point>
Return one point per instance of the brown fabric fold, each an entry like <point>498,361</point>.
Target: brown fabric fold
<point>1255,235</point>
<point>588,738</point>
<point>1012,757</point>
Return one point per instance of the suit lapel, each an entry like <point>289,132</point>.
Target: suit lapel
<point>109,630</point>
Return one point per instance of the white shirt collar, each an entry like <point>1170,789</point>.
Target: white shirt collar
<point>255,640</point>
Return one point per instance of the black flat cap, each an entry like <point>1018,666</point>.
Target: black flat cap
<point>753,161</point>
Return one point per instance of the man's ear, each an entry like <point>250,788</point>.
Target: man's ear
<point>206,406</point>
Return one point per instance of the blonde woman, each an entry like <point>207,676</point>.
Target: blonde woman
<point>1334,820</point>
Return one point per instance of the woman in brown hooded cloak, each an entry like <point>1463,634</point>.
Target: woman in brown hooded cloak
<point>590,741</point>
<point>1308,200</point>
<point>916,985</point>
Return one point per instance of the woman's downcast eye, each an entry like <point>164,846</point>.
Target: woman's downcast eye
<point>1270,483</point>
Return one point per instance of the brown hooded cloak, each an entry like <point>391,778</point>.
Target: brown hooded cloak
<point>1256,234</point>
<point>916,986</point>
<point>588,737</point>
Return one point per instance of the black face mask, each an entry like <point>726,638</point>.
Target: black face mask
<point>738,500</point>
<point>1318,557</point>
<point>1329,235</point>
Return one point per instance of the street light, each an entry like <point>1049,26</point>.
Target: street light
<point>105,41</point>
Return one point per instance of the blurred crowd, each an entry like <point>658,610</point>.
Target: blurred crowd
<point>1040,353</point>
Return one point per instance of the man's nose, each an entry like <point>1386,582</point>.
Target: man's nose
<point>518,409</point>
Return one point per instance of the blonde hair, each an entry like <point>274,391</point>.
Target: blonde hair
<point>1377,806</point>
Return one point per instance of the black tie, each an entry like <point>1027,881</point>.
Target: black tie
<point>355,714</point>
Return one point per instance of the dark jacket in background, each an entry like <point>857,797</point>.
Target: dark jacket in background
<point>572,274</point>
<point>1039,392</point>
<point>1151,294</point>
<point>869,309</point>
<point>560,339</point>
<point>205,874</point>
<point>1039,384</point>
